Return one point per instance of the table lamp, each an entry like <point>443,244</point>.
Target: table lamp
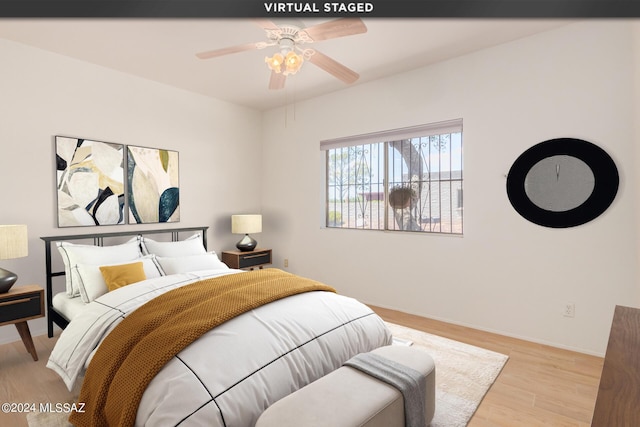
<point>245,224</point>
<point>14,243</point>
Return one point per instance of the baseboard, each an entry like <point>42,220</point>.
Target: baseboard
<point>497,332</point>
<point>9,334</point>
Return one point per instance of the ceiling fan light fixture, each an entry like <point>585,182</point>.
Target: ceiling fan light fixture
<point>286,63</point>
<point>292,62</point>
<point>275,62</point>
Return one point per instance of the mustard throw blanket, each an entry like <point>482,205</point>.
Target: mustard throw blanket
<point>135,351</point>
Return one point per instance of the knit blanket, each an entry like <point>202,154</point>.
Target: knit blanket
<point>135,351</point>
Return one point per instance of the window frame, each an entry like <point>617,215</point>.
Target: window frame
<point>386,138</point>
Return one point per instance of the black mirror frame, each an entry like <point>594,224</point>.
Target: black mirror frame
<point>604,192</point>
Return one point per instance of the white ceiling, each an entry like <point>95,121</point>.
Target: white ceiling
<point>163,50</point>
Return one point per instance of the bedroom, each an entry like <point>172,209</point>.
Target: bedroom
<point>505,275</point>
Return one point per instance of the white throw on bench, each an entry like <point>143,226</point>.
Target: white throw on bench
<point>348,397</point>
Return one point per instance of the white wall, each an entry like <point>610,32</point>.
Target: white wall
<point>506,274</point>
<point>44,94</point>
<point>636,112</point>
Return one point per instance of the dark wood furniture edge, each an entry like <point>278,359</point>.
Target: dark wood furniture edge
<point>618,400</point>
<point>98,239</point>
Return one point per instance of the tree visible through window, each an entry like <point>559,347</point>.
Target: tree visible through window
<point>407,179</point>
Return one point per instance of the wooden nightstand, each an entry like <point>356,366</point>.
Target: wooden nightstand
<point>251,259</point>
<point>20,304</point>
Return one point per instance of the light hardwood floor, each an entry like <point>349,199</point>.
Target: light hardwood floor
<point>539,385</point>
<point>24,381</point>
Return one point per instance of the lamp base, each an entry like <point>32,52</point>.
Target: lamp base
<point>246,244</point>
<point>7,279</point>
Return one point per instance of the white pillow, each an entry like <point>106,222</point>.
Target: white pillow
<point>91,281</point>
<point>190,246</point>
<point>185,264</point>
<point>74,254</point>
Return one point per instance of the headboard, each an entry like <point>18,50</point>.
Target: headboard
<point>98,239</point>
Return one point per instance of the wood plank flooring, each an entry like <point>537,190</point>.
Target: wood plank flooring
<point>539,385</point>
<point>24,381</point>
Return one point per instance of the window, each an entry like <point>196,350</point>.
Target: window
<point>406,179</point>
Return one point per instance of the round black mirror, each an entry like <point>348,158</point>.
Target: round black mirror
<point>562,182</point>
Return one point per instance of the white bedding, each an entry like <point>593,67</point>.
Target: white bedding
<point>68,307</point>
<point>235,371</point>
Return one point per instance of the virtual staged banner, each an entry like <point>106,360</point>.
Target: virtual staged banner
<point>273,9</point>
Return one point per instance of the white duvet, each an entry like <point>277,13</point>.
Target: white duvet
<point>231,374</point>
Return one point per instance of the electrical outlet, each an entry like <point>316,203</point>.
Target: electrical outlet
<point>569,310</point>
<point>286,262</point>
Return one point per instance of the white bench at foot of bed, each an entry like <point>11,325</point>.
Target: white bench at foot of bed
<point>348,397</point>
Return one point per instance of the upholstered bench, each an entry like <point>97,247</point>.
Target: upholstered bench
<point>347,397</point>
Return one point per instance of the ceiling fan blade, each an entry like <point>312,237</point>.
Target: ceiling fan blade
<point>334,68</point>
<point>265,24</point>
<point>227,50</point>
<point>277,81</point>
<point>336,28</point>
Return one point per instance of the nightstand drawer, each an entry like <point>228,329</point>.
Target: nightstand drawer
<point>20,306</point>
<point>237,259</point>
<point>254,258</point>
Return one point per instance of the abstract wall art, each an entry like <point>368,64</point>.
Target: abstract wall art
<point>152,185</point>
<point>90,182</point>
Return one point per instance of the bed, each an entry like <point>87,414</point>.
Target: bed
<point>65,308</point>
<point>232,372</point>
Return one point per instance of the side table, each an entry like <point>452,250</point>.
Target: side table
<point>250,259</point>
<point>20,304</point>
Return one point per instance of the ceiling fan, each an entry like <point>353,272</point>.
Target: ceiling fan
<point>290,40</point>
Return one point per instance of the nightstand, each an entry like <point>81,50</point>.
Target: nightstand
<point>20,304</point>
<point>250,259</point>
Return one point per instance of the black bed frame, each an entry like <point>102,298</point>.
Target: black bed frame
<point>98,239</point>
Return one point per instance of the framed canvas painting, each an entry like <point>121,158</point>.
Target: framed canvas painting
<point>90,182</point>
<point>152,185</point>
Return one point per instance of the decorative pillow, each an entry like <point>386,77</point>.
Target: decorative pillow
<point>185,264</point>
<point>190,246</point>
<point>117,276</point>
<point>93,285</point>
<point>74,254</point>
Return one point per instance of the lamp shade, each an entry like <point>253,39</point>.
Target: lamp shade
<point>245,224</point>
<point>293,62</point>
<point>14,242</point>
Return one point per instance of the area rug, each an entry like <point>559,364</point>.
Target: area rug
<point>464,374</point>
<point>48,419</point>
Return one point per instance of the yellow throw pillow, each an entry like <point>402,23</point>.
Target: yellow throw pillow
<point>117,276</point>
